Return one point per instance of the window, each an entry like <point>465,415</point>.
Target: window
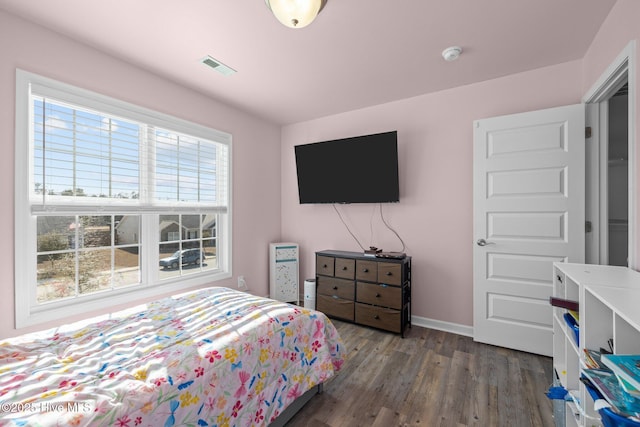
<point>113,202</point>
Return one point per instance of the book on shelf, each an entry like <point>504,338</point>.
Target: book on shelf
<point>575,315</point>
<point>625,366</point>
<point>627,387</point>
<point>564,303</point>
<point>609,387</point>
<point>592,359</point>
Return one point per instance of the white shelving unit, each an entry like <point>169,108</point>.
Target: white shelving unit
<point>284,275</point>
<point>609,301</point>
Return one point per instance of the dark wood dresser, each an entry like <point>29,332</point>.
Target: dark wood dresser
<point>364,290</point>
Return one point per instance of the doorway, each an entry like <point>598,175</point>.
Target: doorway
<point>610,167</point>
<point>617,252</point>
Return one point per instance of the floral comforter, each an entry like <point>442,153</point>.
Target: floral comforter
<point>213,357</point>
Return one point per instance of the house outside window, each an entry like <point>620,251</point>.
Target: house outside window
<point>106,192</point>
<point>171,235</point>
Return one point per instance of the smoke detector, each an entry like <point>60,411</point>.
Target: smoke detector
<point>451,53</point>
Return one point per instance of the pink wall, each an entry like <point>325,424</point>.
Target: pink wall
<point>256,159</point>
<point>621,26</point>
<point>434,216</point>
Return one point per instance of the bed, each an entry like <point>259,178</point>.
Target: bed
<point>212,357</point>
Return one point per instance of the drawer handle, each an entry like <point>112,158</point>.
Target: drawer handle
<point>378,295</point>
<point>376,317</point>
<point>335,288</point>
<point>325,266</point>
<point>344,268</point>
<point>389,273</point>
<point>365,270</point>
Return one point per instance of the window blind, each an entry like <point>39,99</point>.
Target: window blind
<point>87,161</point>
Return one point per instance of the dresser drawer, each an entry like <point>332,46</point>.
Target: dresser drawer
<point>378,317</point>
<point>382,295</point>
<point>345,268</point>
<point>389,273</point>
<point>366,270</point>
<point>332,286</point>
<point>325,265</point>
<point>335,307</point>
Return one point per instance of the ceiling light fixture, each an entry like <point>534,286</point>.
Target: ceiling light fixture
<point>451,53</point>
<point>295,13</point>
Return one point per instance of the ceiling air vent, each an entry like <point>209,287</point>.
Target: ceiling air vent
<point>218,66</point>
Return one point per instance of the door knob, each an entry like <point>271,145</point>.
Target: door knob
<point>482,242</point>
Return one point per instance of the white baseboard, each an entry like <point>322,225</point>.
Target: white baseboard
<point>454,328</point>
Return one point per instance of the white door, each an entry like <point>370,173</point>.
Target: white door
<point>528,213</point>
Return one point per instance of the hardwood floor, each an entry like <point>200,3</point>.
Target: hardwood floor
<point>430,378</point>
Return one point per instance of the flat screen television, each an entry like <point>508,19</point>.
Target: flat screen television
<point>361,169</point>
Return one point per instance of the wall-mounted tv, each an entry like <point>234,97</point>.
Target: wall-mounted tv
<point>361,169</point>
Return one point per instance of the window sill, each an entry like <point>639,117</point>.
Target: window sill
<point>90,304</point>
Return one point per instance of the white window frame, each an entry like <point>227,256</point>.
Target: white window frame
<point>27,311</point>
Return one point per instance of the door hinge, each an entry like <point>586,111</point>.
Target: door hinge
<point>588,227</point>
<point>587,132</point>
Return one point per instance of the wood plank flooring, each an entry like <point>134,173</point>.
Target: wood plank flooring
<point>430,378</point>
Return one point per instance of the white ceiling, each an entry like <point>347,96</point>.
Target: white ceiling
<point>356,54</point>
